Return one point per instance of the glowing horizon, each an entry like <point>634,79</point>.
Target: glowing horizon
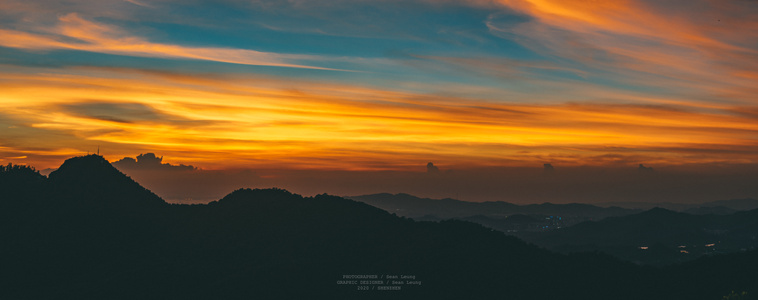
<point>267,84</point>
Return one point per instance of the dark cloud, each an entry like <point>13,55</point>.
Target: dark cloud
<point>431,168</point>
<point>115,112</point>
<point>184,183</point>
<point>128,112</point>
<point>149,161</point>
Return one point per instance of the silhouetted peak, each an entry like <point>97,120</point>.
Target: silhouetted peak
<point>404,195</point>
<point>80,167</point>
<point>383,195</point>
<point>92,160</point>
<point>659,212</point>
<point>257,196</point>
<point>93,177</point>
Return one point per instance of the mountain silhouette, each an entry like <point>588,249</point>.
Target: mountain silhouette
<point>20,183</point>
<point>92,233</point>
<point>735,204</point>
<point>731,204</point>
<point>93,182</point>
<point>710,210</point>
<point>674,236</point>
<point>413,207</point>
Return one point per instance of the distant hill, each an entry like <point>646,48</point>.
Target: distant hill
<point>717,207</point>
<point>89,232</point>
<point>710,210</point>
<point>735,204</point>
<point>656,236</point>
<point>412,206</point>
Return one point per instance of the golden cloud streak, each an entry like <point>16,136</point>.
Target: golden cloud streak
<point>265,122</point>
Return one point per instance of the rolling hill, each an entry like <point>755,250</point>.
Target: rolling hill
<point>89,232</point>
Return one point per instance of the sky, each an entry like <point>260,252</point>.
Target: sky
<point>372,91</point>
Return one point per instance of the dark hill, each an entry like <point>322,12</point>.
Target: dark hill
<point>272,244</point>
<point>91,181</point>
<point>656,236</point>
<point>731,204</point>
<point>20,186</point>
<point>414,207</point>
<point>735,204</point>
<point>19,183</point>
<point>710,210</point>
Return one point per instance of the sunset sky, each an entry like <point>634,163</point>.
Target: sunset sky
<point>378,85</point>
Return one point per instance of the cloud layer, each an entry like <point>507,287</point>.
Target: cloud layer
<point>263,122</point>
<point>222,84</point>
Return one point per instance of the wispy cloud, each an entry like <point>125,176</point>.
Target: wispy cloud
<point>75,33</point>
<point>140,3</point>
<point>674,43</point>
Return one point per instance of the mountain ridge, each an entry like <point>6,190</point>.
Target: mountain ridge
<point>676,236</point>
<point>89,179</point>
<point>272,244</point>
<point>413,206</point>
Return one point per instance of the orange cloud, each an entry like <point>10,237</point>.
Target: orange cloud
<point>701,45</point>
<point>264,122</point>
